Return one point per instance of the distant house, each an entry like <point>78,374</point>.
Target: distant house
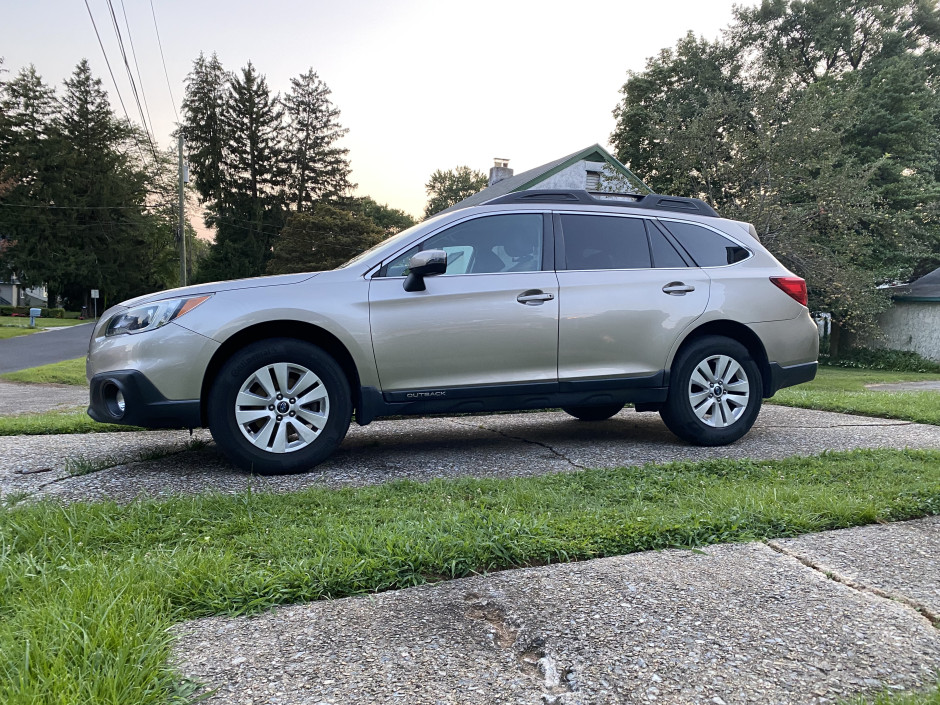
<point>12,293</point>
<point>592,169</point>
<point>913,321</point>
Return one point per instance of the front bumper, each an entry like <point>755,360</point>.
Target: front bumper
<point>143,404</point>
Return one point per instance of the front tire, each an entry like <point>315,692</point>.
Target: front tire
<point>715,392</point>
<point>279,406</point>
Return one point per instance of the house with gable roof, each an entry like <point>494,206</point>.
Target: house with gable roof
<point>591,169</point>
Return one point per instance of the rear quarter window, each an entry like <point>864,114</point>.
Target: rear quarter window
<point>706,247</point>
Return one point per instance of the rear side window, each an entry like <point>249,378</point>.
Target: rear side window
<point>664,254</point>
<point>706,247</point>
<point>604,242</point>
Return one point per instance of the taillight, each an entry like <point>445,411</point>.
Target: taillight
<point>794,287</point>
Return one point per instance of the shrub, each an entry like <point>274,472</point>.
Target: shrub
<point>890,360</point>
<point>44,312</point>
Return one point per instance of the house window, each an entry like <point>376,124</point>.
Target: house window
<point>593,180</point>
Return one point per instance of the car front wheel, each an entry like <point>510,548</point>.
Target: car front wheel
<point>279,406</point>
<point>715,392</point>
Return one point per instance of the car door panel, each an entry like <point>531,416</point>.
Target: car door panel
<point>465,330</point>
<point>619,315</point>
<point>490,319</point>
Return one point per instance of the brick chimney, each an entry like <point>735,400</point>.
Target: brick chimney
<point>499,171</point>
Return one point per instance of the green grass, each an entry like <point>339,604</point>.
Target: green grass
<point>68,372</point>
<point>843,390</point>
<point>23,322</point>
<point>54,422</point>
<point>88,591</point>
<point>929,697</point>
<point>14,332</point>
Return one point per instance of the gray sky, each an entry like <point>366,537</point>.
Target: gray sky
<point>422,84</point>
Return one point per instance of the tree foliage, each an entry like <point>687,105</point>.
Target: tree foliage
<point>816,120</point>
<point>445,188</point>
<point>390,220</point>
<point>80,206</point>
<point>257,157</point>
<point>319,169</point>
<point>322,239</point>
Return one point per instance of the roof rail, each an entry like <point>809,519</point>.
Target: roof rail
<point>651,201</point>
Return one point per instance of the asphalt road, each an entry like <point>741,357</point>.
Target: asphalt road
<point>44,348</point>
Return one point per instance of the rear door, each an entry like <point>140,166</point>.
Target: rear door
<point>492,319</point>
<point>626,292</point>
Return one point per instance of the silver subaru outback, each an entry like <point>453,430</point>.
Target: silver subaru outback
<point>532,300</point>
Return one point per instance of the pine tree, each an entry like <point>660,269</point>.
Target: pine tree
<point>204,126</point>
<point>77,214</point>
<point>318,168</point>
<point>249,210</point>
<point>31,171</point>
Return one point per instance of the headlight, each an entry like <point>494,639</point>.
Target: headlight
<point>151,316</point>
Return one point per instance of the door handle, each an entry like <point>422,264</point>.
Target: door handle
<point>678,288</point>
<point>534,297</point>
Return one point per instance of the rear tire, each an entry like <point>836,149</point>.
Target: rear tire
<point>279,406</point>
<point>715,392</point>
<point>592,413</point>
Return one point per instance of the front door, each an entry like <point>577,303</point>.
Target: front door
<point>492,319</point>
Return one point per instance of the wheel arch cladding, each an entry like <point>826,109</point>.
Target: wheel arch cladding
<point>742,334</point>
<point>297,330</point>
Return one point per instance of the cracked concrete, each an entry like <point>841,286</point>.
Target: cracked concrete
<point>502,445</point>
<point>895,561</point>
<point>730,624</point>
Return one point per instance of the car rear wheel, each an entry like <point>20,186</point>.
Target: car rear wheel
<point>592,413</point>
<point>715,392</point>
<point>279,406</point>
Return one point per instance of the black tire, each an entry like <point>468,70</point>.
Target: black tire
<point>725,415</point>
<point>283,363</point>
<point>592,413</point>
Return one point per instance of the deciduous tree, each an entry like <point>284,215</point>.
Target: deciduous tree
<point>322,239</point>
<point>445,188</point>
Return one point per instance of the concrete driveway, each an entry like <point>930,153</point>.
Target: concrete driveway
<point>503,445</point>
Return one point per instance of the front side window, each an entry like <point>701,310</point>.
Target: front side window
<point>485,245</point>
<point>605,242</point>
<point>706,247</point>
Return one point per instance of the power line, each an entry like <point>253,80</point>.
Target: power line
<point>127,25</point>
<point>82,208</point>
<point>165,72</point>
<point>113,79</point>
<point>130,76</point>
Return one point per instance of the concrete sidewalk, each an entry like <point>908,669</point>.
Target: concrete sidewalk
<point>809,620</point>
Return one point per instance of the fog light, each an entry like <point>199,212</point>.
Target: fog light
<point>114,400</point>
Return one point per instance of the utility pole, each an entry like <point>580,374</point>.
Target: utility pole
<point>182,230</point>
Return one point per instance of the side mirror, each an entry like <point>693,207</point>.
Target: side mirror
<point>424,264</point>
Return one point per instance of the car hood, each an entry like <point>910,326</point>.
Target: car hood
<point>215,287</point>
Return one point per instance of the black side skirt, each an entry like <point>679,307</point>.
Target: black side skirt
<point>463,400</point>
